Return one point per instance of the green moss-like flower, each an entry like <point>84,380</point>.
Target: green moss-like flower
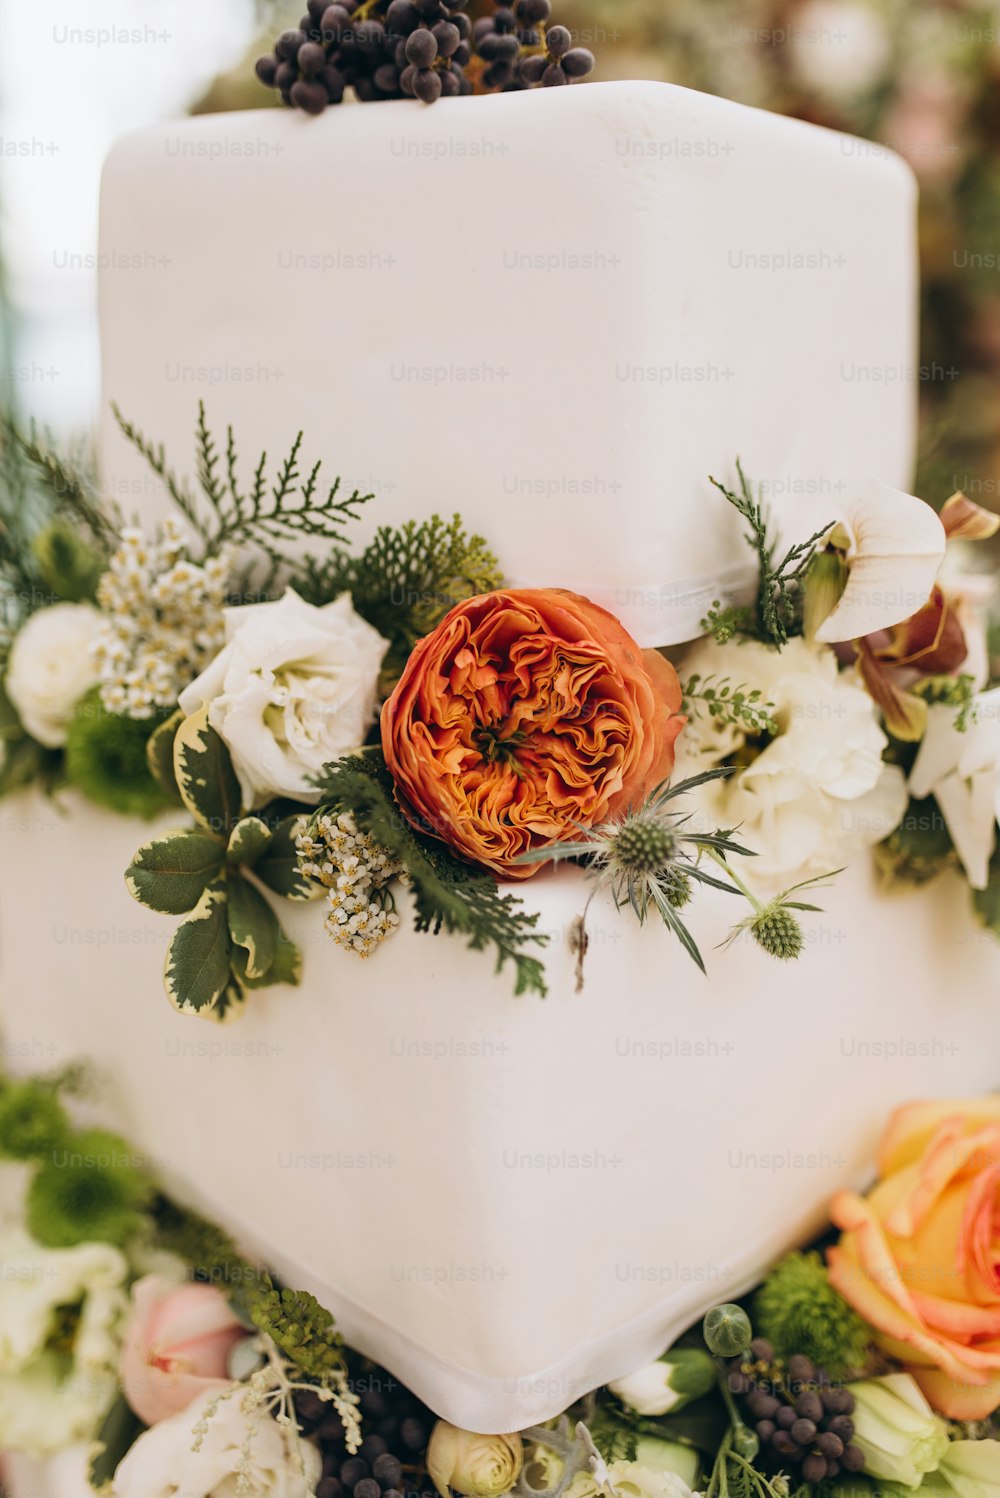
<point>33,1122</point>
<point>302,1328</point>
<point>106,759</point>
<point>89,1190</point>
<point>798,1310</point>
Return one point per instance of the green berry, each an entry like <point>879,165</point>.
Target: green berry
<point>727,1331</point>
<point>746,1442</point>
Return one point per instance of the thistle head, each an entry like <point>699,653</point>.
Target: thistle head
<point>676,885</point>
<point>643,845</point>
<point>775,929</point>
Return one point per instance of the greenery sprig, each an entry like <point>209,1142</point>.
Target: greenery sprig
<point>775,615</point>
<point>745,709</point>
<point>448,895</point>
<point>267,515</point>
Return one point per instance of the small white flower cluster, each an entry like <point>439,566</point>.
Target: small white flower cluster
<point>164,620</point>
<point>355,870</point>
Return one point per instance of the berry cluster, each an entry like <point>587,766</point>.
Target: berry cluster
<point>802,1418</point>
<point>418,49</point>
<point>390,1461</point>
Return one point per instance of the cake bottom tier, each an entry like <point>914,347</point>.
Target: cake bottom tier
<point>504,1201</point>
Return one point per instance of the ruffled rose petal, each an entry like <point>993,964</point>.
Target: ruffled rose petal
<point>949,1151</point>
<point>955,1399</point>
<point>911,1127</point>
<point>897,547</point>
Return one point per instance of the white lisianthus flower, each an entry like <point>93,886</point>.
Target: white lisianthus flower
<point>897,1430</point>
<point>631,1480</point>
<point>51,667</point>
<point>971,1469</point>
<point>44,1406</point>
<point>818,793</point>
<point>238,1451</point>
<point>293,688</point>
<point>668,1384</point>
<point>961,769</point>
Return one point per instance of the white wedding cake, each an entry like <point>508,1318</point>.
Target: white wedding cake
<point>556,312</point>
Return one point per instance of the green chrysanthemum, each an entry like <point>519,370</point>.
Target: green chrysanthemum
<point>798,1310</point>
<point>89,1190</point>
<point>33,1122</point>
<point>106,759</point>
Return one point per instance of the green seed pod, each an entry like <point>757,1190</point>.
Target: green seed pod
<point>746,1442</point>
<point>777,931</point>
<point>727,1331</point>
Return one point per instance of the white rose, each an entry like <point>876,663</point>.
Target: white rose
<point>235,1448</point>
<point>819,792</point>
<point>293,688</point>
<point>51,667</point>
<point>840,48</point>
<point>45,1404</point>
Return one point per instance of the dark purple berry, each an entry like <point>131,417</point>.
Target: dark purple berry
<point>371,1448</point>
<point>532,69</point>
<point>316,9</point>
<point>288,44</point>
<point>367,1488</point>
<point>762,1405</point>
<point>427,85</point>
<point>810,1406</point>
<point>829,1444</point>
<point>334,82</point>
<point>842,1426</point>
<point>312,60</point>
<point>784,1445</point>
<point>765,1429</point>
<point>388,1470</point>
<point>451,84</point>
<point>803,1431</point>
<point>413,1434</point>
<point>553,74</point>
<point>800,1368</point>
<point>448,38</point>
<point>386,78</point>
<point>814,1467</point>
<point>401,17</point>
<point>266,67</point>
<point>786,1417</point>
<point>285,75</point>
<point>853,1459</point>
<point>406,78</point>
<point>328,1487</point>
<point>421,48</point>
<point>559,41</point>
<point>354,1470</point>
<point>760,1347</point>
<point>462,54</point>
<point>578,62</point>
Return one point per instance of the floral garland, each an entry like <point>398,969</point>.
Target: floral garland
<point>130,1324</point>
<point>345,724</point>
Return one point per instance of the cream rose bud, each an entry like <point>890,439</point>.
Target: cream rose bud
<point>51,667</point>
<point>684,1374</point>
<point>478,1466</point>
<point>293,688</point>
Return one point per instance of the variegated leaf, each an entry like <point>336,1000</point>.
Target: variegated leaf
<point>286,967</point>
<point>170,873</point>
<point>160,756</point>
<point>249,840</point>
<point>231,1004</point>
<point>205,776</point>
<point>279,866</point>
<point>198,960</point>
<point>253,926</point>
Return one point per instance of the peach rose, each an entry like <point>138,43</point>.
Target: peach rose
<point>525,716</point>
<point>920,1256</point>
<point>176,1347</point>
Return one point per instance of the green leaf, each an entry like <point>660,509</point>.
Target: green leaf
<point>279,868</point>
<point>286,967</point>
<point>249,839</point>
<point>197,970</point>
<point>253,925</point>
<point>119,1431</point>
<point>205,776</point>
<point>160,756</point>
<point>171,873</point>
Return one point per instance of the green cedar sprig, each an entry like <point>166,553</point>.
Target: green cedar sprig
<point>448,895</point>
<point>406,580</point>
<point>778,604</point>
<point>267,515</point>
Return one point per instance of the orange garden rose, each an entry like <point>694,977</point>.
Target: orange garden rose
<point>920,1256</point>
<point>524,717</point>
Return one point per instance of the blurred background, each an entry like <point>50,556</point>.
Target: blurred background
<point>922,76</point>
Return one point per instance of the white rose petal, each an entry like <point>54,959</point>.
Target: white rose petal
<point>51,667</point>
<point>293,689</point>
<point>162,1464</point>
<point>897,546</point>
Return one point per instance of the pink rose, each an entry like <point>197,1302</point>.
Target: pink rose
<point>177,1346</point>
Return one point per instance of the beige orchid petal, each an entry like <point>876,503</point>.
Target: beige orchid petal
<point>897,545</point>
<point>964,520</point>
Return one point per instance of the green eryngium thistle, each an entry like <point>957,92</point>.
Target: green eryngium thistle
<point>650,858</point>
<point>772,925</point>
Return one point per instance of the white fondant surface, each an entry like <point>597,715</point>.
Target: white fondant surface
<point>508,1201</point>
<point>555,312</point>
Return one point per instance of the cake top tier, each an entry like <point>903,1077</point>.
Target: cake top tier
<point>555,312</point>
